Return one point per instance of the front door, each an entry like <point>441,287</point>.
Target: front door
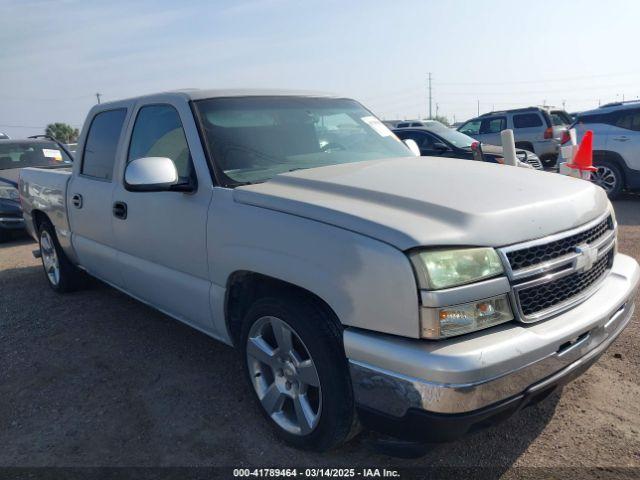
<point>162,236</point>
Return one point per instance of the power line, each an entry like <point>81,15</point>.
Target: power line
<point>533,92</point>
<point>35,99</point>
<point>565,79</point>
<point>31,126</point>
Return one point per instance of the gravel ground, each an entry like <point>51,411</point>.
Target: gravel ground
<point>95,378</point>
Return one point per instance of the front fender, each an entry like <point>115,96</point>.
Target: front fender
<point>367,283</point>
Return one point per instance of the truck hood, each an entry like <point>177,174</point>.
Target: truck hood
<point>427,201</point>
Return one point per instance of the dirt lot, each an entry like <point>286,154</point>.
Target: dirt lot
<point>95,378</point>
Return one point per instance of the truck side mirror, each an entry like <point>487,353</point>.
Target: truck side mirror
<point>150,174</point>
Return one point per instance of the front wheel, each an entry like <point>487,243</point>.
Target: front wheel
<point>5,235</point>
<point>295,364</point>
<point>609,177</point>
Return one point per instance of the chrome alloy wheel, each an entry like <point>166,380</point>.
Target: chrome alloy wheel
<point>284,375</point>
<point>49,258</point>
<point>606,178</point>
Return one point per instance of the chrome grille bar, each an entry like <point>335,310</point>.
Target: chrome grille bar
<point>602,235</point>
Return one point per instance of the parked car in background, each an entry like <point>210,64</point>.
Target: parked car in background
<point>403,123</point>
<point>15,155</point>
<point>560,118</point>
<point>616,144</point>
<point>4,136</point>
<point>411,123</point>
<point>437,140</point>
<point>299,229</point>
<point>533,130</point>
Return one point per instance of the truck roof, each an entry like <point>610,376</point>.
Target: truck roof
<point>200,94</point>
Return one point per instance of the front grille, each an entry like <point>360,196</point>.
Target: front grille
<point>535,163</point>
<point>527,257</point>
<point>548,295</point>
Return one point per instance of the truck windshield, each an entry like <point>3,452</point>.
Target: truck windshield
<point>21,154</point>
<point>252,139</point>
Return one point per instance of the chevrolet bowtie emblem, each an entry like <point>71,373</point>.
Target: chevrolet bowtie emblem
<point>587,256</point>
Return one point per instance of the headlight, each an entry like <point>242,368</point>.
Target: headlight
<point>9,192</point>
<point>465,318</point>
<point>437,269</point>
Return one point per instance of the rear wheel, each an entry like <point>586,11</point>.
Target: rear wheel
<point>61,274</point>
<point>609,177</point>
<point>295,364</point>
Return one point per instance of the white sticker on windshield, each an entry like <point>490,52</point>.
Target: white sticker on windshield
<point>377,125</point>
<point>50,153</point>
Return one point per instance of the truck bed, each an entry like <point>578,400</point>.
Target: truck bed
<point>44,190</point>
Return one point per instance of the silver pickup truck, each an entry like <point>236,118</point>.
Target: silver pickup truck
<point>422,297</point>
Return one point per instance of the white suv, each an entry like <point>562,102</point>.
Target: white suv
<point>534,129</point>
<point>616,144</point>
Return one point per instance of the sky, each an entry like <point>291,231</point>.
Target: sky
<point>492,54</point>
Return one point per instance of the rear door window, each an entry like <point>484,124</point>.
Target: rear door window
<point>493,125</point>
<point>101,144</point>
<point>629,120</point>
<point>527,120</point>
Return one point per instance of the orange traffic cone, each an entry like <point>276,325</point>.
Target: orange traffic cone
<point>583,159</point>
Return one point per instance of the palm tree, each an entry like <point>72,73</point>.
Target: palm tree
<point>62,132</point>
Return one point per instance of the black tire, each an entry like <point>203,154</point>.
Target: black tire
<point>609,170</point>
<point>70,278</point>
<point>322,337</point>
<point>549,161</point>
<point>5,235</point>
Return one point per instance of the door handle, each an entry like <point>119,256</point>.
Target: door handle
<point>621,138</point>
<point>76,200</point>
<point>120,210</point>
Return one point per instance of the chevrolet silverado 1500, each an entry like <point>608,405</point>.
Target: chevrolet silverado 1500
<point>423,297</point>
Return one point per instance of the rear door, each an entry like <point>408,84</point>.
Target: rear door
<point>490,129</point>
<point>624,136</point>
<point>162,239</point>
<point>89,196</point>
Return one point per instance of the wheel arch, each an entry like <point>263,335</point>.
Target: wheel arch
<point>37,217</point>
<point>245,286</point>
<point>613,157</point>
<point>525,146</point>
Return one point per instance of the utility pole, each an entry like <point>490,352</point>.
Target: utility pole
<point>430,116</point>
<point>98,95</point>
<point>437,109</point>
<point>563,104</point>
<point>478,107</point>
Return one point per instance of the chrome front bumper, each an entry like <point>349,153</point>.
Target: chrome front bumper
<point>393,374</point>
<point>11,223</point>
